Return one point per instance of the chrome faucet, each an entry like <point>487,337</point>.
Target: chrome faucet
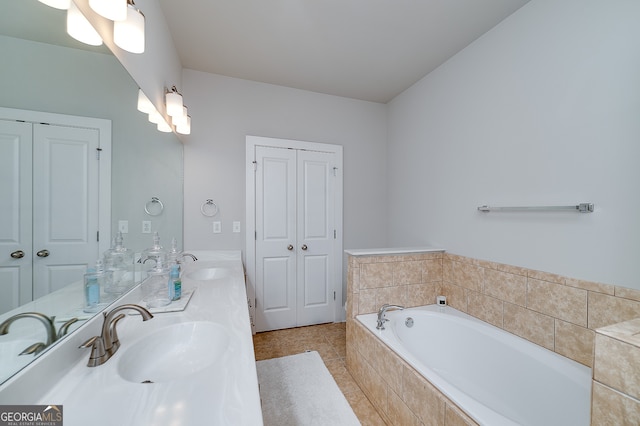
<point>383,310</point>
<point>105,346</point>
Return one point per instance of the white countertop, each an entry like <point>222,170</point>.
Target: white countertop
<point>392,250</point>
<point>224,395</point>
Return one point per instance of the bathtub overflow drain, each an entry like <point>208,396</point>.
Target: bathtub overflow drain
<point>409,322</point>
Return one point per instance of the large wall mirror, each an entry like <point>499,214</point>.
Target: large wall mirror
<point>45,70</point>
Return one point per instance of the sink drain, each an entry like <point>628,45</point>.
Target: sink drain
<point>147,381</point>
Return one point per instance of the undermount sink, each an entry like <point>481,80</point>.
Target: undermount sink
<point>173,352</point>
<point>205,274</point>
<point>11,358</point>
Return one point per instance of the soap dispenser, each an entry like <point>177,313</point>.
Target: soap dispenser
<point>175,256</point>
<point>119,261</point>
<point>155,288</point>
<point>156,252</point>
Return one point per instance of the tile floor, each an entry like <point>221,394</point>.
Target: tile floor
<point>330,342</point>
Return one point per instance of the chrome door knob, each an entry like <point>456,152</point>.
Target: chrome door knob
<point>18,254</point>
<point>42,253</point>
<point>289,247</point>
<point>304,247</point>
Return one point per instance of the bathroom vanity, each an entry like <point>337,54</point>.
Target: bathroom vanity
<point>188,367</point>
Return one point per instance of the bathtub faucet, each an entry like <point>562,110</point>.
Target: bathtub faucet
<point>383,310</point>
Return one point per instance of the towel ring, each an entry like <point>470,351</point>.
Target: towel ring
<point>209,208</point>
<point>154,207</point>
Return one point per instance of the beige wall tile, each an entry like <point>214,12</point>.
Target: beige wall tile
<point>407,273</point>
<point>510,269</point>
<point>391,295</point>
<point>613,408</point>
<point>432,270</point>
<point>374,275</point>
<point>456,417</point>
<point>447,271</point>
<point>617,365</point>
<point>422,398</point>
<point>628,331</point>
<point>486,308</point>
<point>627,293</point>
<point>389,366</point>
<point>422,294</point>
<point>546,276</point>
<point>508,287</point>
<point>606,310</point>
<point>367,301</point>
<point>557,300</point>
<point>468,276</point>
<point>591,286</point>
<point>533,326</point>
<point>575,342</point>
<point>398,412</point>
<point>456,296</point>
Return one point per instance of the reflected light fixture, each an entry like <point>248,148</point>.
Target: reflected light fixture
<point>144,104</point>
<point>184,128</point>
<point>173,100</point>
<point>164,127</point>
<point>80,28</point>
<point>115,10</point>
<point>155,117</point>
<point>57,4</point>
<point>128,34</point>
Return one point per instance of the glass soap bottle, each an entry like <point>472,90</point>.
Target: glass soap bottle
<point>119,261</point>
<point>155,288</point>
<point>156,252</point>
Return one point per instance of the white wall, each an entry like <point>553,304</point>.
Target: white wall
<point>544,109</point>
<point>225,110</point>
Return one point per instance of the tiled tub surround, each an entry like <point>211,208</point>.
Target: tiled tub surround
<point>556,312</point>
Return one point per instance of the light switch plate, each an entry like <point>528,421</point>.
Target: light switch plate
<point>236,226</point>
<point>217,227</point>
<point>146,226</point>
<point>123,226</point>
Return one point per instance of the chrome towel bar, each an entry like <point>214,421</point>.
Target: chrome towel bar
<point>581,208</point>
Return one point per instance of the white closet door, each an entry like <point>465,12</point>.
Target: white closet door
<point>65,205</point>
<point>15,214</point>
<point>315,231</point>
<point>275,238</point>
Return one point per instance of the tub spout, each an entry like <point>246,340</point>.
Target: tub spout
<point>383,310</point>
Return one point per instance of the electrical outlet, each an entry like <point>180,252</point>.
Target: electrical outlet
<point>146,226</point>
<point>217,227</point>
<point>123,226</point>
<point>236,226</point>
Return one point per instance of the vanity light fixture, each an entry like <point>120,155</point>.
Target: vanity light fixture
<point>173,100</point>
<point>115,10</point>
<point>184,128</point>
<point>128,34</point>
<point>164,127</point>
<point>155,117</point>
<point>57,4</point>
<point>144,104</point>
<point>182,118</point>
<point>80,28</point>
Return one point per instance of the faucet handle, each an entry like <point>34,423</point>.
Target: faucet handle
<point>97,350</point>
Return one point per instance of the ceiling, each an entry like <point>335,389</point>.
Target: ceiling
<point>364,49</point>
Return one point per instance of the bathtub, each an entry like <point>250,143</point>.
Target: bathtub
<point>496,377</point>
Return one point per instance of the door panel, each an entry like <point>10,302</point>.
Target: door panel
<point>65,205</point>
<point>315,225</point>
<point>275,232</point>
<point>15,213</point>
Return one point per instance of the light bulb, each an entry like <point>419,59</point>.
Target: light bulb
<point>144,104</point>
<point>115,10</point>
<point>129,34</point>
<point>79,28</point>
